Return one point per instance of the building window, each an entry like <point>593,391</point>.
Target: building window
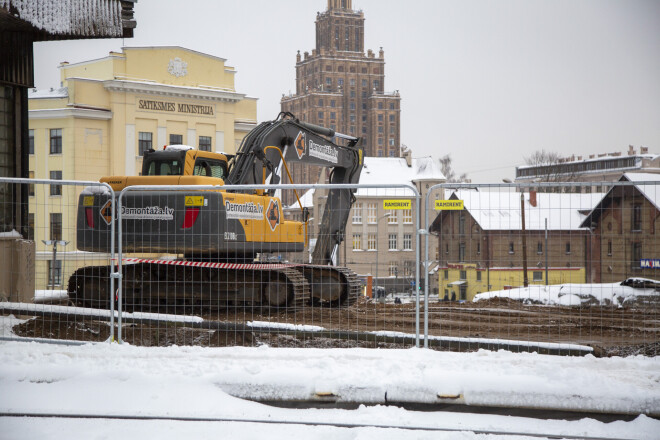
<point>391,142</point>
<point>55,226</point>
<point>447,248</point>
<point>328,81</point>
<point>30,233</point>
<point>333,115</point>
<point>392,242</point>
<point>54,273</point>
<point>637,217</point>
<point>176,139</point>
<point>340,81</point>
<point>371,242</point>
<point>568,247</point>
<point>478,276</point>
<point>537,275</point>
<point>391,153</point>
<point>446,274</point>
<point>56,190</point>
<point>393,218</point>
<point>539,248</point>
<point>478,248</point>
<point>352,105</point>
<point>407,242</point>
<point>145,142</point>
<point>380,153</point>
<point>394,271</point>
<point>357,213</point>
<point>407,216</point>
<point>511,249</point>
<point>332,103</point>
<point>376,85</point>
<point>380,141</point>
<point>461,223</point>
<point>31,185</point>
<point>461,252</point>
<point>391,118</point>
<point>463,275</point>
<point>320,103</point>
<point>364,83</point>
<point>205,143</point>
<point>320,115</point>
<point>371,212</point>
<point>31,142</point>
<point>55,141</point>
<point>380,117</point>
<point>357,242</point>
<point>636,255</point>
<point>609,248</point>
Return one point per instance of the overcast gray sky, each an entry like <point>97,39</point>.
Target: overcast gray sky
<point>488,82</point>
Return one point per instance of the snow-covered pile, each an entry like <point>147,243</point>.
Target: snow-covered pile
<point>615,294</point>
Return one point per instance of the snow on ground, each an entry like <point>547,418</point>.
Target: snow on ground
<point>195,382</point>
<point>616,294</point>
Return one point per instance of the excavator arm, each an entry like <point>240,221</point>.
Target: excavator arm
<point>300,142</point>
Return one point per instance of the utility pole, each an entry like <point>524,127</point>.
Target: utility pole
<point>546,251</point>
<point>524,240</point>
<point>54,243</point>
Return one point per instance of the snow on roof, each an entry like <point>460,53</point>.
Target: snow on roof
<point>500,210</point>
<point>642,183</point>
<point>61,92</point>
<point>307,200</point>
<point>395,170</point>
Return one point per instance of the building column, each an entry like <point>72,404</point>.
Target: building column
<point>130,150</point>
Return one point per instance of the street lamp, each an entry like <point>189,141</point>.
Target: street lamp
<point>378,247</point>
<point>53,243</point>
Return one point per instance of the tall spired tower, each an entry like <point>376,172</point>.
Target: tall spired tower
<point>340,87</point>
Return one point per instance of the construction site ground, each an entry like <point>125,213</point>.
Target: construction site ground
<point>610,330</point>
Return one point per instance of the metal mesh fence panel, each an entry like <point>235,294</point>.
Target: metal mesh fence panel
<point>567,267</point>
<point>40,257</point>
<point>204,266</point>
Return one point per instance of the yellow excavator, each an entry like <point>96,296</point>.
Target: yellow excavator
<point>218,233</point>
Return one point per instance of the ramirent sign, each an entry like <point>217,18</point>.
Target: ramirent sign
<point>396,204</point>
<point>444,205</point>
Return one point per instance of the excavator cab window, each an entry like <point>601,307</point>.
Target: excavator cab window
<point>210,168</point>
<point>172,167</point>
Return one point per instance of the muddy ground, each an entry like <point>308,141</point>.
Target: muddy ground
<point>630,330</point>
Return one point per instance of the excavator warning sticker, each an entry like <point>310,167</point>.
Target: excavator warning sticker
<point>194,200</point>
<point>106,212</point>
<point>273,214</point>
<point>244,211</point>
<point>88,201</point>
<point>300,144</point>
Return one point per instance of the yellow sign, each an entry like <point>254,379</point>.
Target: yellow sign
<point>396,204</point>
<point>88,201</point>
<point>445,205</point>
<point>194,200</point>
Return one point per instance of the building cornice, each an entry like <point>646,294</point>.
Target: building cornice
<point>145,88</point>
<point>244,125</point>
<point>70,112</point>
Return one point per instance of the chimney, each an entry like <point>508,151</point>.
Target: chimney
<point>643,150</point>
<point>532,198</point>
<point>631,150</point>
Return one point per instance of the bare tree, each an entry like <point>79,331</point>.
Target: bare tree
<point>450,175</point>
<point>548,167</point>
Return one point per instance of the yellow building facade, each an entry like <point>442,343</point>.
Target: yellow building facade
<point>105,114</point>
<point>461,282</point>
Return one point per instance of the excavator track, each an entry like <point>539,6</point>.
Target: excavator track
<point>179,286</point>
